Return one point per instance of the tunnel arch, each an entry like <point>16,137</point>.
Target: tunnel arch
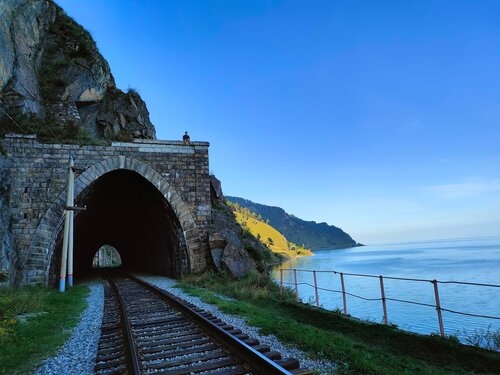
<point>126,211</point>
<point>47,234</point>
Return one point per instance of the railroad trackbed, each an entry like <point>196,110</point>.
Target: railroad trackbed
<point>146,330</point>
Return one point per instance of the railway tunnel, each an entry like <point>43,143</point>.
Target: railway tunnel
<point>126,211</point>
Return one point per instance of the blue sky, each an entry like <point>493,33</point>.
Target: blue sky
<point>381,117</point>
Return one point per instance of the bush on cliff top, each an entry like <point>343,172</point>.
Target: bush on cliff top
<point>66,40</point>
<point>48,131</point>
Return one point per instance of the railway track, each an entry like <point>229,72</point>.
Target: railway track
<point>147,330</point>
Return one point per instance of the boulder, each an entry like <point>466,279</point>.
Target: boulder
<point>118,115</point>
<point>237,261</point>
<point>216,190</point>
<point>217,258</point>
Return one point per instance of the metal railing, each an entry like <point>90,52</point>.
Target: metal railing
<point>383,298</point>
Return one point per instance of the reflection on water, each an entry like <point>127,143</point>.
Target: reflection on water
<point>470,260</point>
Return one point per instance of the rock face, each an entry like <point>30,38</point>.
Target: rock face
<point>227,250</point>
<point>236,260</point>
<point>50,66</point>
<point>232,250</point>
<point>216,190</point>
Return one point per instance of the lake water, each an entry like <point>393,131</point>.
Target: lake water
<point>470,260</point>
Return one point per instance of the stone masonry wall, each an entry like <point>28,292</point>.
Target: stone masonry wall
<point>38,174</point>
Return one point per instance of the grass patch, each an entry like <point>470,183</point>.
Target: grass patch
<point>358,347</point>
<point>48,319</point>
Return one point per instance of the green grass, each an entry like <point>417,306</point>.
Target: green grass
<point>24,345</point>
<point>358,347</point>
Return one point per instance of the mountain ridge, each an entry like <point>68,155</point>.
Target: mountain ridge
<point>309,233</point>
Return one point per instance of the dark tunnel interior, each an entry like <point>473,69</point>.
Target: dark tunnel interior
<point>127,212</point>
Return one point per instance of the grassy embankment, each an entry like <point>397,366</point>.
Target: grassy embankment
<point>358,347</point>
<point>270,237</point>
<point>34,323</point>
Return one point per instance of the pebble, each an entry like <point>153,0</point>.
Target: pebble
<point>321,366</point>
<point>77,356</point>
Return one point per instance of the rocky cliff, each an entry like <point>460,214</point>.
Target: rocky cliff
<point>50,67</point>
<point>232,249</point>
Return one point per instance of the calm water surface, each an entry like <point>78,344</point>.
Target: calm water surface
<point>470,260</point>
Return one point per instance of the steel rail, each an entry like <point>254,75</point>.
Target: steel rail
<point>130,347</point>
<point>259,362</point>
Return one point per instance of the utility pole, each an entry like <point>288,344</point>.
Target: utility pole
<point>67,250</point>
<point>67,223</point>
<point>71,224</point>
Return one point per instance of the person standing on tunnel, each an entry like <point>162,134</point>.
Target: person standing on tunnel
<point>186,139</point>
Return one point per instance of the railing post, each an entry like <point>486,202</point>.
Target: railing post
<point>281,281</point>
<point>316,289</point>
<point>296,288</point>
<point>343,293</point>
<point>438,308</point>
<point>383,298</point>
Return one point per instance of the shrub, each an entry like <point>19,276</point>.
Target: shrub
<point>65,29</point>
<point>484,338</point>
<point>48,130</point>
<point>66,40</point>
<point>51,84</point>
<point>132,91</point>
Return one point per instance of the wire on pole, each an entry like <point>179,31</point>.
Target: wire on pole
<point>394,277</point>
<point>14,121</point>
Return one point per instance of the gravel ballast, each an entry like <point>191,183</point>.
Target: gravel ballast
<point>322,366</point>
<point>78,354</point>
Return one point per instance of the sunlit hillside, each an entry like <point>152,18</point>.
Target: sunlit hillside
<point>269,236</point>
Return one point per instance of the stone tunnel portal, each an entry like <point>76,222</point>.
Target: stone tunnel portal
<point>127,212</point>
